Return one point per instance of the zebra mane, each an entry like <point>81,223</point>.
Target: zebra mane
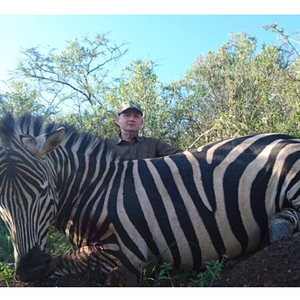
<point>7,128</point>
<point>29,124</point>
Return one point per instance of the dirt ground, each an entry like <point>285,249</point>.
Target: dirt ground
<point>276,265</point>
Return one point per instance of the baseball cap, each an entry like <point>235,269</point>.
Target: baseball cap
<point>131,104</point>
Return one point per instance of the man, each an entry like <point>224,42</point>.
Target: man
<point>132,146</point>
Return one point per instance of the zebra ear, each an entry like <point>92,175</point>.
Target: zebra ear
<point>47,143</point>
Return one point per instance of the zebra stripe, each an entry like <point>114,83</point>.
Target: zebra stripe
<point>184,209</point>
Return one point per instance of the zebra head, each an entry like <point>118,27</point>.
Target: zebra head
<point>27,193</point>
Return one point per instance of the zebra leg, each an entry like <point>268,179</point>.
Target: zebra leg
<point>96,263</point>
<point>283,224</point>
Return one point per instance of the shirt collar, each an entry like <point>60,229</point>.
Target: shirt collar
<point>137,138</point>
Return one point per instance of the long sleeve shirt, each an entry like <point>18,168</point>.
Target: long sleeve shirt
<point>143,147</point>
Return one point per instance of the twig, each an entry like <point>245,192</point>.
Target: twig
<point>199,137</point>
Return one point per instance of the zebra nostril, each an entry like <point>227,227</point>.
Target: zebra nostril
<point>34,258</point>
<point>35,265</point>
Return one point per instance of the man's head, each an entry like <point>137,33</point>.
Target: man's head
<point>130,118</point>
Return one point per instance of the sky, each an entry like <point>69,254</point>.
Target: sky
<point>173,41</point>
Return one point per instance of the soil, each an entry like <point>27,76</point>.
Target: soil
<point>277,265</point>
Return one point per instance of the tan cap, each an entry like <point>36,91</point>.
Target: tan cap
<point>131,104</point>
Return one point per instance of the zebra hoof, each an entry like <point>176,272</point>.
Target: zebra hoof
<point>121,277</point>
<point>280,229</point>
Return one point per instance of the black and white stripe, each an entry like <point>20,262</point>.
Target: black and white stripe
<point>185,209</point>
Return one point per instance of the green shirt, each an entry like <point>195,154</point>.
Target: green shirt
<point>143,147</point>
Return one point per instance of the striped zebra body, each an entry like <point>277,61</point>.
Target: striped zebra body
<point>184,209</point>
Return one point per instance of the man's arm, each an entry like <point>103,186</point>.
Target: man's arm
<point>164,149</point>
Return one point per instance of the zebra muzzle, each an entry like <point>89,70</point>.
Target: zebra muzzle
<point>36,265</point>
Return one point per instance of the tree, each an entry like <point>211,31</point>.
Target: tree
<point>20,98</point>
<point>79,74</point>
<point>236,91</point>
<point>140,83</point>
<point>290,48</point>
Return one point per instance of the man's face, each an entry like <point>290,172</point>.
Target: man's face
<point>130,120</point>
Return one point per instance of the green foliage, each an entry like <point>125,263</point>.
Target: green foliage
<point>237,90</point>
<point>6,248</point>
<point>6,256</point>
<point>6,272</point>
<point>165,275</point>
<point>58,243</point>
<point>20,98</point>
<point>212,272</point>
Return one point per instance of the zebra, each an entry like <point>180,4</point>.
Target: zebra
<point>184,209</point>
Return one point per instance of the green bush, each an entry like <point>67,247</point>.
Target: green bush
<point>6,247</point>
<point>6,272</point>
<point>58,243</point>
<point>164,275</point>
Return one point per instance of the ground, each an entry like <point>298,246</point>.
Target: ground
<point>277,265</point>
